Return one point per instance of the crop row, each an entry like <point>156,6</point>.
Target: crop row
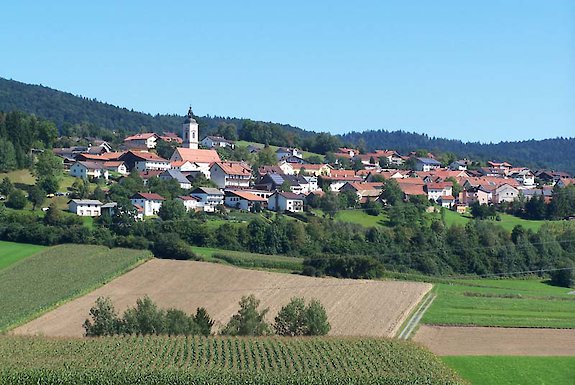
<point>207,360</point>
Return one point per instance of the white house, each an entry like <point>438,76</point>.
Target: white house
<point>284,152</point>
<point>438,190</point>
<point>243,200</point>
<point>210,197</point>
<point>202,158</point>
<point>116,166</point>
<point>231,174</point>
<point>150,202</point>
<point>287,168</point>
<point>144,161</point>
<point>191,203</point>
<point>146,140</point>
<point>505,193</point>
<point>286,201</point>
<point>85,207</point>
<point>87,170</point>
<point>426,164</point>
<point>217,142</point>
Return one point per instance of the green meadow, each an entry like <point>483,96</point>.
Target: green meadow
<point>11,252</point>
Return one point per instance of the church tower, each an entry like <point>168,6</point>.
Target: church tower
<point>190,131</point>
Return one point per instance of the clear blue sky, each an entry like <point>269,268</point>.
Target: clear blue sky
<point>488,70</point>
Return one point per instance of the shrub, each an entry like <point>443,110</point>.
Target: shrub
<point>296,319</point>
<point>248,321</point>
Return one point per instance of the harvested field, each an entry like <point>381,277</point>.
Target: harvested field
<point>354,307</point>
<point>479,341</point>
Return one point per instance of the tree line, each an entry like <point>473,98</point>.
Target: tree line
<point>146,318</point>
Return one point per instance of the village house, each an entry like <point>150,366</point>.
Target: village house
<point>150,202</point>
<point>460,165</point>
<point>210,197</point>
<point>87,170</point>
<point>411,187</point>
<point>426,164</point>
<point>244,200</point>
<point>201,157</point>
<point>144,161</point>
<point>286,201</point>
<point>438,190</point>
<point>185,166</point>
<point>85,207</point>
<point>481,194</point>
<point>171,137</point>
<point>231,174</point>
<point>115,166</point>
<point>191,203</point>
<point>217,142</point>
<point>284,152</point>
<point>315,169</point>
<point>108,208</point>
<point>177,176</point>
<point>505,193</point>
<point>287,167</point>
<point>523,176</point>
<point>365,190</point>
<point>147,175</point>
<point>338,178</point>
<point>447,201</point>
<point>147,140</point>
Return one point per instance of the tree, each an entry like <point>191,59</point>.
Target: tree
<point>392,193</point>
<point>16,200</point>
<point>36,196</point>
<point>49,183</point>
<point>8,161</point>
<point>178,322</point>
<point>266,157</point>
<point>203,321</point>
<point>169,245</point>
<point>144,319</point>
<point>104,321</point>
<point>248,321</point>
<point>316,319</point>
<point>372,208</point>
<point>348,199</point>
<point>565,276</point>
<point>329,203</point>
<point>80,189</point>
<point>291,319</point>
<point>48,164</point>
<point>165,149</point>
<point>456,189</point>
<point>172,209</point>
<point>6,186</point>
<point>54,215</point>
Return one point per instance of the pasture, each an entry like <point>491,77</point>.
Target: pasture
<point>250,260</point>
<point>354,307</point>
<point>11,252</point>
<point>485,370</point>
<point>219,360</point>
<point>46,279</point>
<point>502,302</point>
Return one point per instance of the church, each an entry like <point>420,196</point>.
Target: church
<point>200,158</point>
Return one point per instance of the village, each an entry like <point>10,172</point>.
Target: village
<point>292,182</point>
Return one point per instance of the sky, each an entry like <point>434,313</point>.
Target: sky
<point>477,71</point>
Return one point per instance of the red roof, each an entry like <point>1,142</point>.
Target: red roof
<point>248,196</point>
<point>439,185</point>
<point>199,155</point>
<point>149,196</point>
<point>234,168</point>
<point>143,136</point>
<point>188,198</point>
<point>145,155</point>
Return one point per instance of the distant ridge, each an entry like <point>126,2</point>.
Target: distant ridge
<point>64,108</point>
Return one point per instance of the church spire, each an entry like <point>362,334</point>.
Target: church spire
<point>190,134</point>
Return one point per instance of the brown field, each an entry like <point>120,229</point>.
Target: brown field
<point>354,307</point>
<point>479,341</point>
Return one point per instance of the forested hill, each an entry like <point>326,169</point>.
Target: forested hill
<point>83,116</point>
<point>557,153</point>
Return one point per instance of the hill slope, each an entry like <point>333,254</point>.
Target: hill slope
<point>67,109</point>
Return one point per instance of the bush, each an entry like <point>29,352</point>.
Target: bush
<point>248,321</point>
<point>169,245</point>
<point>105,321</point>
<point>356,267</point>
<point>296,319</point>
<point>16,200</point>
<point>564,277</point>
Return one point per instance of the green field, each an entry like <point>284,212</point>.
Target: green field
<point>306,154</point>
<point>57,274</point>
<point>489,370</point>
<point>250,260</point>
<point>360,217</point>
<point>219,360</point>
<point>505,302</point>
<point>11,252</point>
<point>508,222</point>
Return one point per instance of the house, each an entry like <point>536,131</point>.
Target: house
<point>426,164</point>
<point>551,176</point>
<point>460,165</point>
<point>481,194</point>
<point>338,178</point>
<point>86,170</point>
<point>298,184</point>
<point>564,182</point>
<point>316,169</point>
<point>203,158</point>
<point>144,161</point>
<point>410,189</point>
<point>286,201</point>
<point>150,202</point>
<point>447,201</point>
<point>217,142</point>
<point>177,176</point>
<point>505,193</point>
<point>244,200</point>
<point>171,138</point>
<point>115,166</point>
<point>283,152</point>
<point>365,190</point>
<point>146,140</point>
<point>231,174</point>
<point>191,203</point>
<point>344,152</point>
<point>500,165</point>
<point>147,175</point>
<point>523,176</point>
<point>85,207</point>
<point>438,190</point>
<point>210,197</point>
<point>287,167</point>
<point>185,166</point>
<point>109,208</point>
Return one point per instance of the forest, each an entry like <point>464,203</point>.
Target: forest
<point>80,116</point>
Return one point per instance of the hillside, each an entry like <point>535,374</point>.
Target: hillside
<point>97,118</point>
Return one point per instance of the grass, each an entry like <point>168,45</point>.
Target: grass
<point>11,252</point>
<point>40,282</point>
<point>250,260</point>
<point>360,217</point>
<point>508,222</point>
<point>488,370</point>
<point>219,360</point>
<point>505,302</point>
<point>306,154</point>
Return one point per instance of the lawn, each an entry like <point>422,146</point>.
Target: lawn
<point>505,302</point>
<point>11,252</point>
<point>250,260</point>
<point>488,370</point>
<point>360,217</point>
<point>508,222</point>
<point>56,275</point>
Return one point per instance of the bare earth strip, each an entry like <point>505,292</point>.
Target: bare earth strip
<point>354,307</point>
<point>477,341</point>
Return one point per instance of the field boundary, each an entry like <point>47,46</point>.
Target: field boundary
<point>410,325</point>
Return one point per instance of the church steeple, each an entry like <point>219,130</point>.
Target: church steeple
<point>190,131</point>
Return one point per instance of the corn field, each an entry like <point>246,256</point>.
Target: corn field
<point>218,360</point>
